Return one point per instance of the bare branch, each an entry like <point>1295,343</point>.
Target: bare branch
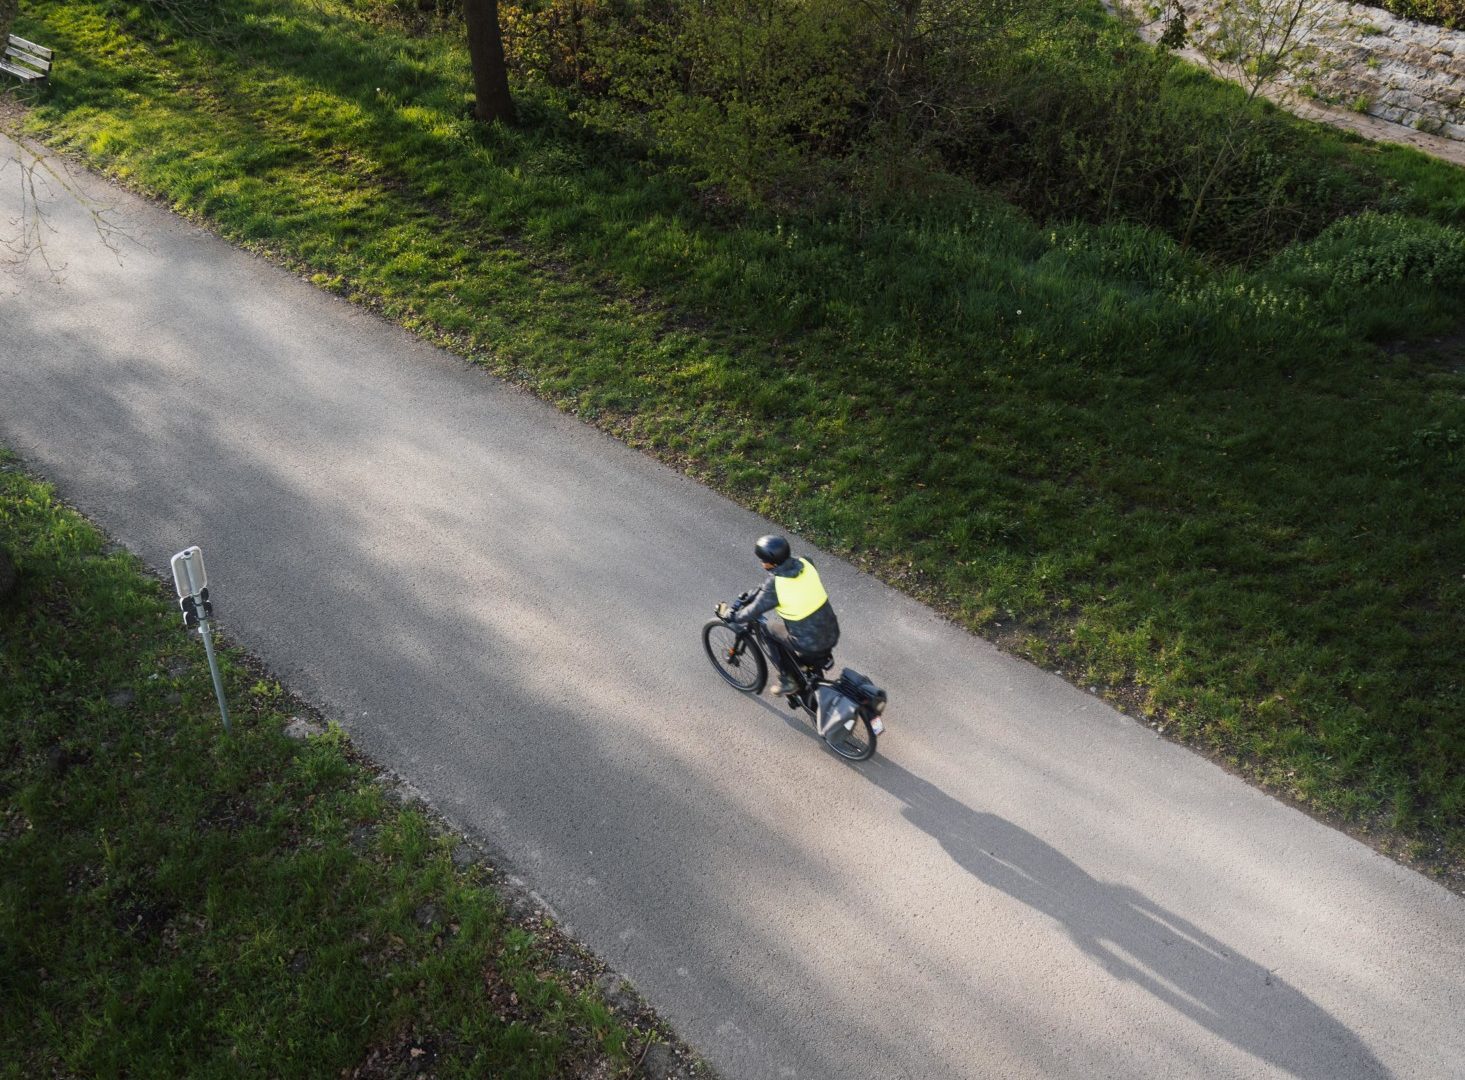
<point>43,181</point>
<point>1256,42</point>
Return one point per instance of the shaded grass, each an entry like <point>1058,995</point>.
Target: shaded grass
<point>1206,490</point>
<point>177,902</point>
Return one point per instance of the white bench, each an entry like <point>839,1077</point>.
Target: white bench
<point>26,60</point>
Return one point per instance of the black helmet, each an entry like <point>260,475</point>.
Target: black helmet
<point>772,549</point>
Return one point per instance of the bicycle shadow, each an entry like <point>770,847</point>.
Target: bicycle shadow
<point>1135,939</point>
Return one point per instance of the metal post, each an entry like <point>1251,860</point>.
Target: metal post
<point>192,581</point>
<point>208,647</point>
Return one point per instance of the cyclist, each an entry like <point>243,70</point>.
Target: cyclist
<point>793,590</point>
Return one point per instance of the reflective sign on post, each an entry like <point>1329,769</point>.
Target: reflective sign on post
<point>192,582</point>
<point>188,573</point>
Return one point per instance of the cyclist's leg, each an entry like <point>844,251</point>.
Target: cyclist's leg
<point>796,658</point>
<point>783,651</point>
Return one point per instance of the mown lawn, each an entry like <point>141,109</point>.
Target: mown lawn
<point>178,902</point>
<point>1229,498</point>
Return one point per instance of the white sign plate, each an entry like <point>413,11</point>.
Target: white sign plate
<point>189,576</point>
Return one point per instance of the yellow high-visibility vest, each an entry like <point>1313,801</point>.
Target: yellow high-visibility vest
<point>799,596</point>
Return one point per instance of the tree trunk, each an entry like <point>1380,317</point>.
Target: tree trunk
<point>486,48</point>
<point>9,9</point>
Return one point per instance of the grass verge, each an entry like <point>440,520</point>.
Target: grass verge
<point>1206,492</point>
<point>178,902</point>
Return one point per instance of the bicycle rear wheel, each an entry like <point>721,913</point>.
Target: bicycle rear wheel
<point>736,657</point>
<point>853,743</point>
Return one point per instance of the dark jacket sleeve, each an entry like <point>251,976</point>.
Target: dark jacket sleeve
<point>766,599</point>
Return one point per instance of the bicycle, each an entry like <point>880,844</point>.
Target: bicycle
<point>847,712</point>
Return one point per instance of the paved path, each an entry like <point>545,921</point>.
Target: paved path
<point>503,605</point>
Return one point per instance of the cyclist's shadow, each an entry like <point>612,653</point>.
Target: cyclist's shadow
<point>1134,939</point>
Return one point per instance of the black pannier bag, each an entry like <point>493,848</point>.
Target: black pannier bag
<point>836,710</point>
<point>864,692</point>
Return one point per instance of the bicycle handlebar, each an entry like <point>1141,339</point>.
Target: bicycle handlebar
<point>727,611</point>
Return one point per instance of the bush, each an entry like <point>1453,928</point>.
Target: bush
<point>754,98</point>
<point>1063,110</point>
<point>1441,12</point>
<point>1380,250</point>
<point>1098,126</point>
<point>565,43</point>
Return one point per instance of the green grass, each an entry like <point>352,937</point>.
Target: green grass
<point>1206,490</point>
<point>178,902</point>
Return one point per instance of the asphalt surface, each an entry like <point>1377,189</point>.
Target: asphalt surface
<point>503,605</point>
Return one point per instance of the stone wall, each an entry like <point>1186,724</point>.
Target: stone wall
<point>1369,61</point>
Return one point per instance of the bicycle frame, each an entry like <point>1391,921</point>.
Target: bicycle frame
<point>809,679</point>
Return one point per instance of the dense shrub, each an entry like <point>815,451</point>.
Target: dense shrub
<point>754,98</point>
<point>1100,127</point>
<point>1373,250</point>
<point>1064,111</point>
<point>1442,12</point>
<point>565,43</point>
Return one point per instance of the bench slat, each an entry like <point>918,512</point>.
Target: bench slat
<point>30,46</point>
<point>36,62</point>
<point>23,73</point>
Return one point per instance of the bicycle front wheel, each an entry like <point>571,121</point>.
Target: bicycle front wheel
<point>736,657</point>
<point>855,742</point>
